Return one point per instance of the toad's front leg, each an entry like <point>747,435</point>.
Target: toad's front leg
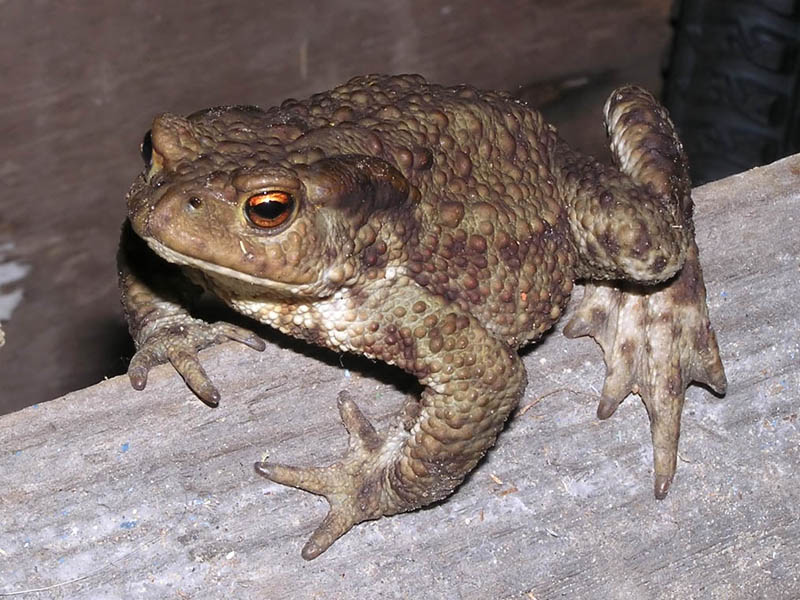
<point>154,295</point>
<point>472,382</point>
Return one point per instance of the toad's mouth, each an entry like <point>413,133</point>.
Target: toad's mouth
<point>229,278</point>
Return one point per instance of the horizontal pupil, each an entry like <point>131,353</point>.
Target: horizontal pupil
<point>270,209</point>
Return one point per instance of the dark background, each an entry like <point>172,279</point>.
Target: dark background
<point>82,80</point>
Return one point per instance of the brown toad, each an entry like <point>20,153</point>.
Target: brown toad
<point>436,229</point>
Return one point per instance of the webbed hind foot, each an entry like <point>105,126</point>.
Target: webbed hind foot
<point>655,341</point>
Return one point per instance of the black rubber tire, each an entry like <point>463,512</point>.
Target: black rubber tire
<point>731,83</point>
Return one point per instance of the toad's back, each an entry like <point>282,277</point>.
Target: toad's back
<point>490,231</point>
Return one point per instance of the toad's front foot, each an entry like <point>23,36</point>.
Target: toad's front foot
<point>178,339</point>
<point>356,487</point>
<point>655,341</point>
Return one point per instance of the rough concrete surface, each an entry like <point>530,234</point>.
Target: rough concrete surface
<point>112,493</point>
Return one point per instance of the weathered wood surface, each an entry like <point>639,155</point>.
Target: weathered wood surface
<point>111,493</point>
<point>81,82</point>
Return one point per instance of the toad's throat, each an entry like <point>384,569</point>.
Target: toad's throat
<point>230,279</point>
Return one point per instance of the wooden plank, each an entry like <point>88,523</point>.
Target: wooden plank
<point>108,492</point>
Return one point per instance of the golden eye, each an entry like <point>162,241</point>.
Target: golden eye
<point>270,209</point>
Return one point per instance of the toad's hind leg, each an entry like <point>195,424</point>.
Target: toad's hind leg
<point>656,337</point>
<point>471,382</point>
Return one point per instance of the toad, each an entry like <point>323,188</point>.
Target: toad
<point>434,228</point>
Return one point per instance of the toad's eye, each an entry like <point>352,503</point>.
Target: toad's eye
<point>270,209</point>
<point>146,149</point>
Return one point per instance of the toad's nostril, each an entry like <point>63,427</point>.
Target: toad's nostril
<point>195,202</point>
